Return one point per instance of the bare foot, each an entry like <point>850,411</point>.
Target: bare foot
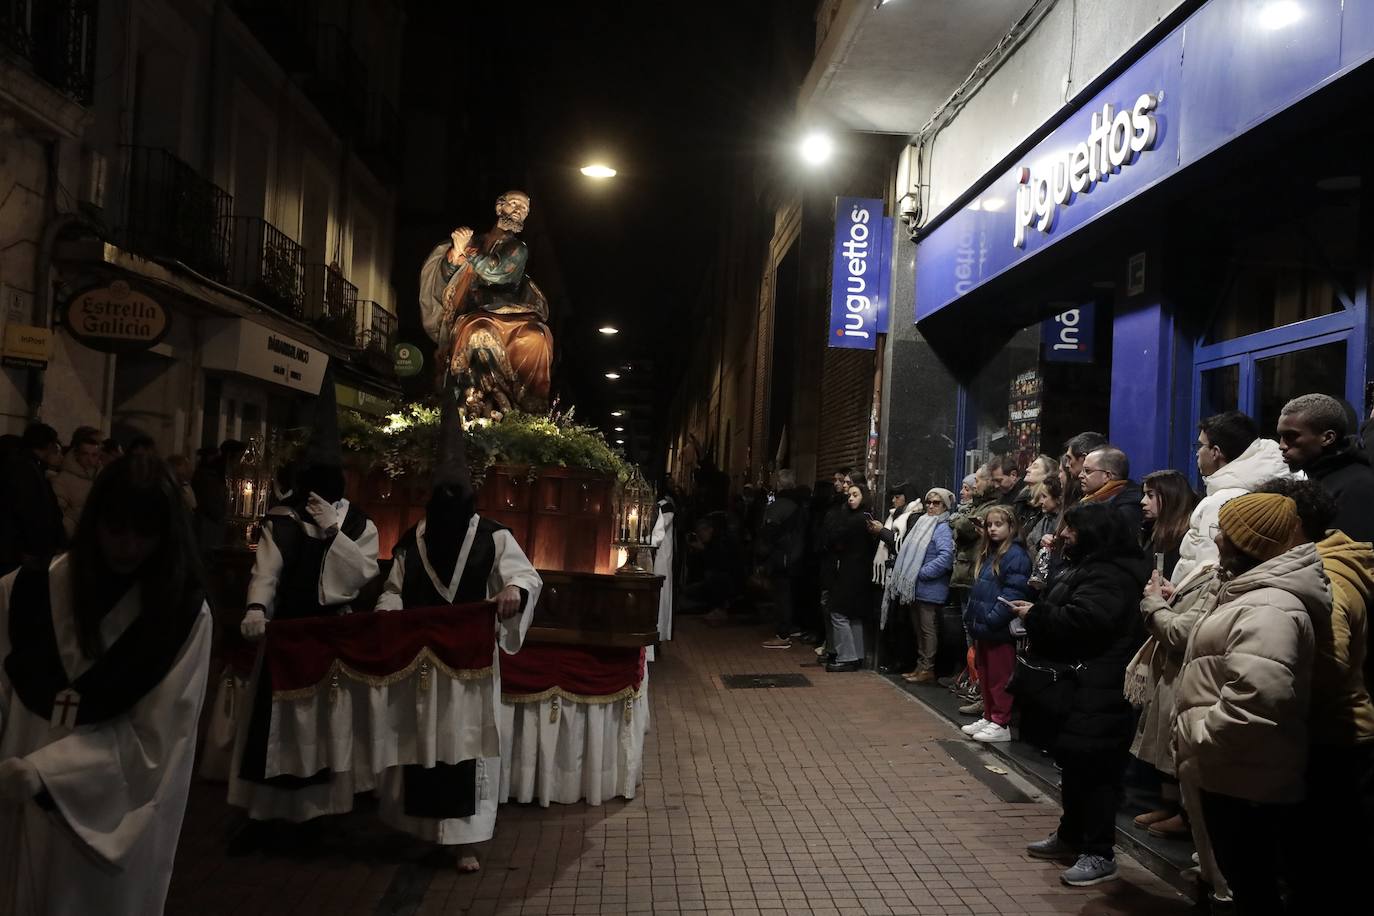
<point>468,864</point>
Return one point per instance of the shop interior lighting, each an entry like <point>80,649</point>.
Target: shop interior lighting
<point>817,148</point>
<point>598,171</point>
<point>1279,14</point>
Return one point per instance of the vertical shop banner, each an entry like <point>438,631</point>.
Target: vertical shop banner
<point>859,284</point>
<point>1068,336</point>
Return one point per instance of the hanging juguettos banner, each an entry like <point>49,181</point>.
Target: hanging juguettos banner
<point>858,286</point>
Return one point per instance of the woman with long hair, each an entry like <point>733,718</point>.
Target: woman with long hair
<point>105,668</point>
<point>1085,628</point>
<point>1167,502</point>
<point>1002,575</point>
<point>851,592</point>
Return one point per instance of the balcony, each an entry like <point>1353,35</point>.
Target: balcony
<point>56,39</point>
<point>331,303</point>
<point>174,212</point>
<point>379,332</point>
<point>267,264</point>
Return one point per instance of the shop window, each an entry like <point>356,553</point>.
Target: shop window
<point>1286,276</point>
<point>1318,370</point>
<point>1220,389</point>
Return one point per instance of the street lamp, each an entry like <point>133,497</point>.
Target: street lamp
<point>620,429</point>
<point>599,171</point>
<point>613,375</point>
<point>609,330</point>
<point>617,413</point>
<point>817,148</point>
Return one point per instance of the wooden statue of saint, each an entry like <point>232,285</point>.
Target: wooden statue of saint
<point>488,317</point>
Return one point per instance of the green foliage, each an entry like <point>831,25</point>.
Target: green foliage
<point>406,443</point>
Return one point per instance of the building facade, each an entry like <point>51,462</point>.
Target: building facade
<point>200,206</point>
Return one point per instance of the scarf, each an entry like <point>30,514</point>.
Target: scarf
<point>898,524</point>
<point>901,584</point>
<point>1109,489</point>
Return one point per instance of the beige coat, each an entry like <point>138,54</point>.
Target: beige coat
<point>1242,698</point>
<point>1342,714</point>
<point>1169,624</point>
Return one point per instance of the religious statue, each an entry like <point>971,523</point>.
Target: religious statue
<point>488,317</point>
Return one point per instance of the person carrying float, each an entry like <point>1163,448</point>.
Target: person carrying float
<point>453,556</point>
<point>317,551</point>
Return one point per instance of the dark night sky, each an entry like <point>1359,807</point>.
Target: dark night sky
<point>677,97</point>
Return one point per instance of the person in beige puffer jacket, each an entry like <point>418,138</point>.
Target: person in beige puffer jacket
<point>1242,699</point>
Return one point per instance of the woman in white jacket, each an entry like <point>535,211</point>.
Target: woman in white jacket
<point>1233,460</point>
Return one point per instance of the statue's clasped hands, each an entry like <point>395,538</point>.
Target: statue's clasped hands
<point>462,237</point>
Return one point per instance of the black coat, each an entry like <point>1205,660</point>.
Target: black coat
<point>1348,477</point>
<point>1090,616</point>
<point>851,557</point>
<point>31,529</point>
<point>1126,502</point>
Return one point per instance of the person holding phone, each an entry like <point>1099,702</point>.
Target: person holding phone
<point>1002,576</point>
<point>851,593</point>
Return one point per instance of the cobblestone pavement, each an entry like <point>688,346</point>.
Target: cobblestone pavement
<point>831,799</point>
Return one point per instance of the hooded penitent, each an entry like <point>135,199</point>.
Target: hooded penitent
<point>321,461</point>
<point>452,500</point>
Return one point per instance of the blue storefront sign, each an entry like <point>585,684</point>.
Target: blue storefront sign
<point>1068,336</point>
<point>1246,61</point>
<point>859,284</point>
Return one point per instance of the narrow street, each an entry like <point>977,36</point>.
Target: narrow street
<point>832,798</point>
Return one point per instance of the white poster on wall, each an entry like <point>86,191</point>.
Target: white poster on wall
<point>239,345</point>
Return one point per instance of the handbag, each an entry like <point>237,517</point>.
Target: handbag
<point>1046,685</point>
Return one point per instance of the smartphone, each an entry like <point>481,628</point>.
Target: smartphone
<point>869,516</point>
<point>1001,600</point>
<point>1159,563</point>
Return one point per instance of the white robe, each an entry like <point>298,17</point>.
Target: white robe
<point>120,785</point>
<point>509,567</point>
<point>347,568</point>
<point>662,540</point>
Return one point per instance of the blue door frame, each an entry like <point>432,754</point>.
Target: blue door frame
<point>1349,325</point>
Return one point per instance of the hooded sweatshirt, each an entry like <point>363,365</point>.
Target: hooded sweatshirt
<point>1258,464</point>
<point>1341,710</point>
<point>1242,698</point>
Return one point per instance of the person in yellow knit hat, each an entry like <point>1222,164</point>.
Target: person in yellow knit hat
<point>1241,731</point>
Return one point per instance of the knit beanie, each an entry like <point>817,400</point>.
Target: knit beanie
<point>1261,525</point>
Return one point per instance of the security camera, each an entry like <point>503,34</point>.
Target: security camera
<point>909,208</point>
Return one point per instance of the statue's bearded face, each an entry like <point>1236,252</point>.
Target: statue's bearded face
<point>511,211</point>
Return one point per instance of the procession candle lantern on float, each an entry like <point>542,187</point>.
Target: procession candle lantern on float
<point>634,510</point>
<point>248,490</point>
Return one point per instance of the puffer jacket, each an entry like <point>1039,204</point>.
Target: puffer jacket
<point>986,618</point>
<point>1242,698</point>
<point>1169,624</point>
<point>1090,617</point>
<point>1258,464</point>
<point>1341,710</point>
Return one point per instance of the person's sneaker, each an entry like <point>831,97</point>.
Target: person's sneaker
<point>820,651</point>
<point>992,734</point>
<point>974,728</point>
<point>782,642</point>
<point>971,709</point>
<point>1051,847</point>
<point>1089,870</point>
<point>796,634</point>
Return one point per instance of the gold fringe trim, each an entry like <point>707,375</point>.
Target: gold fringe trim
<point>631,693</point>
<point>425,662</point>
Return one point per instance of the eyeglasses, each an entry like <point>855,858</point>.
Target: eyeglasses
<point>1087,471</point>
<point>934,501</point>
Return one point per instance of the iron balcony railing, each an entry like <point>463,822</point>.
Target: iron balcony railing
<point>267,264</point>
<point>56,38</point>
<point>331,303</point>
<point>379,333</point>
<point>171,210</point>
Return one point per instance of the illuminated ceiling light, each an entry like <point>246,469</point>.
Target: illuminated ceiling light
<point>817,148</point>
<point>620,442</point>
<point>598,171</point>
<point>608,330</point>
<point>617,413</point>
<point>620,429</point>
<point>1279,14</point>
<point>613,375</point>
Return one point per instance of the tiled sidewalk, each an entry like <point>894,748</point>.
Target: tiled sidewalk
<point>829,799</point>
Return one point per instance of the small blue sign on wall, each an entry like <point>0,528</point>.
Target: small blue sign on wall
<point>1068,336</point>
<point>859,284</point>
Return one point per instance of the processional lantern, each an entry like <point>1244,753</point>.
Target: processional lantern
<point>249,487</point>
<point>634,525</point>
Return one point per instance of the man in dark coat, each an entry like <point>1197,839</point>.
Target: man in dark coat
<point>31,531</point>
<point>780,548</point>
<point>1088,627</point>
<point>1314,437</point>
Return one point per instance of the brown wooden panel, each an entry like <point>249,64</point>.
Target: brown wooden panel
<point>593,608</point>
